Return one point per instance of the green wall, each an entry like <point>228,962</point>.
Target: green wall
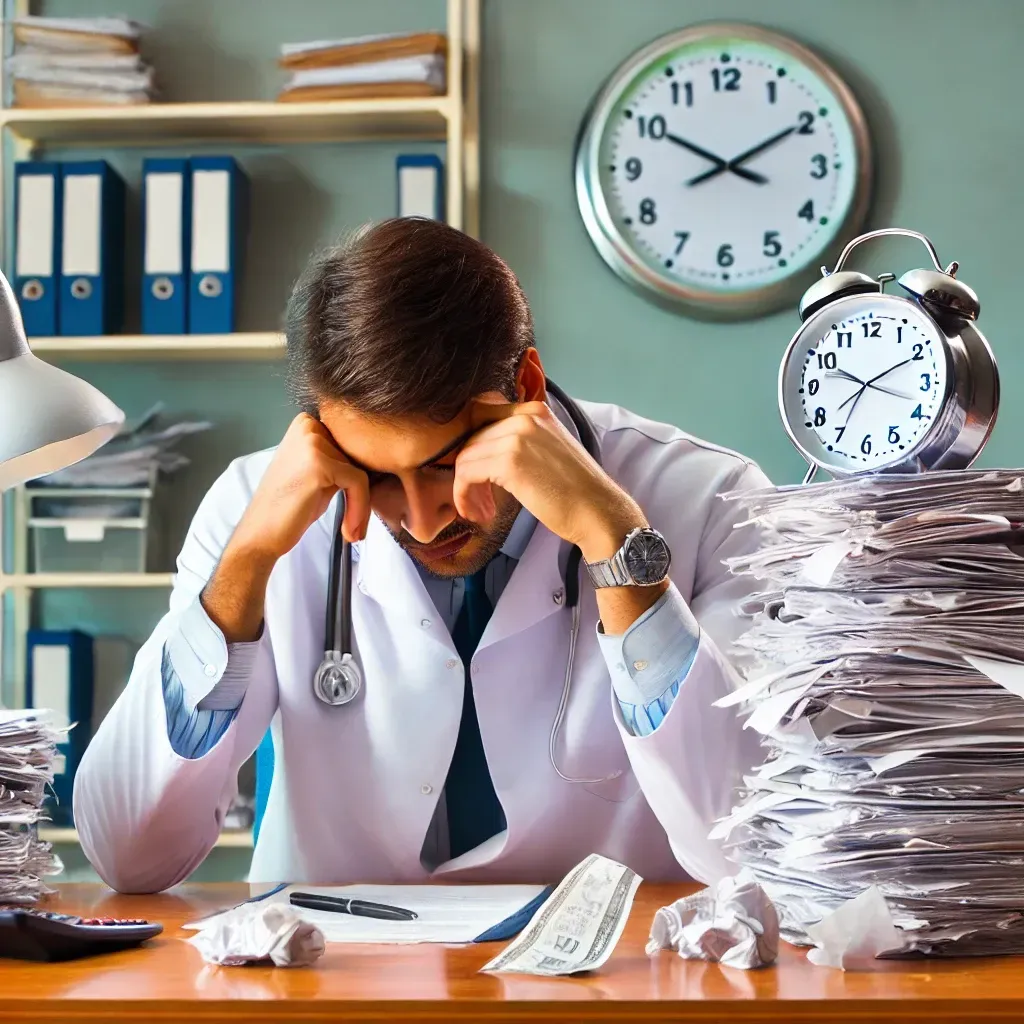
<point>937,78</point>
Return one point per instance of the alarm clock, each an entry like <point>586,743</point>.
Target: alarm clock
<point>719,166</point>
<point>880,382</point>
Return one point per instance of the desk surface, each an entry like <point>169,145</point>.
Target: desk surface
<point>167,980</point>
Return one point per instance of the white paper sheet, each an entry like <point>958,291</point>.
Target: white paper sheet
<point>447,913</point>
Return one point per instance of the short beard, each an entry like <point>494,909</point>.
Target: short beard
<point>493,537</point>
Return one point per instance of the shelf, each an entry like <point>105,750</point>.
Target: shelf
<point>84,580</point>
<point>257,122</point>
<point>67,836</point>
<point>147,347</point>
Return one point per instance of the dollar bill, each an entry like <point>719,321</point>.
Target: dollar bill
<point>577,926</point>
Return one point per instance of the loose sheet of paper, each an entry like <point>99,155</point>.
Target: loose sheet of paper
<point>447,913</point>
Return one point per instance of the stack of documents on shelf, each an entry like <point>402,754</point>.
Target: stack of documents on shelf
<point>365,67</point>
<point>28,748</point>
<point>60,62</point>
<point>132,456</point>
<point>885,669</point>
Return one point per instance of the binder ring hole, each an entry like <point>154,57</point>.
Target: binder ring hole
<point>210,286</point>
<point>162,288</point>
<point>81,288</point>
<point>32,290</point>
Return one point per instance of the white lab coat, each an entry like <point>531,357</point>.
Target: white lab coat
<point>355,787</point>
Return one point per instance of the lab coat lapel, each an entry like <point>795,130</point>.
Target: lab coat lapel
<point>534,591</point>
<point>388,576</point>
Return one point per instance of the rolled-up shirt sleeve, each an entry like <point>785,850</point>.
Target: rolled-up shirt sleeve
<point>650,661</point>
<point>204,681</point>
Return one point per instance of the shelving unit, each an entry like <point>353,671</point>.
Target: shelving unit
<point>452,118</point>
<point>256,345</point>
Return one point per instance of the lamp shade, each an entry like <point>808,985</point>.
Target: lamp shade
<point>49,418</point>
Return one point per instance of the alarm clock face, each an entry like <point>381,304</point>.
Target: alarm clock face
<point>863,383</point>
<point>719,164</point>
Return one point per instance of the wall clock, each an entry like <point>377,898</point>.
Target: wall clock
<point>719,165</point>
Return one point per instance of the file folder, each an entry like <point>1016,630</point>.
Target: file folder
<point>92,249</point>
<point>59,677</point>
<point>420,186</point>
<point>219,222</point>
<point>166,223</point>
<point>37,200</point>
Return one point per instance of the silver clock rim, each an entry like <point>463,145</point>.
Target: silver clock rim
<point>608,240</point>
<point>808,329</point>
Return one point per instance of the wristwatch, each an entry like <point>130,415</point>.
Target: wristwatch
<point>642,561</point>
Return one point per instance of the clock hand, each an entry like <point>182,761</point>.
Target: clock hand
<point>856,399</point>
<point>716,160</point>
<point>740,172</point>
<point>884,372</point>
<point>846,375</point>
<point>853,398</point>
<point>736,163</point>
<point>749,154</point>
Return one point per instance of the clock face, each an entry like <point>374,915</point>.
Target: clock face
<point>719,164</point>
<point>864,382</point>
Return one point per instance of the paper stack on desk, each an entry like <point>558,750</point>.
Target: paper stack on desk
<point>28,747</point>
<point>62,62</point>
<point>365,67</point>
<point>885,668</point>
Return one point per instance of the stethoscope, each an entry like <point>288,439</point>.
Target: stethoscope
<point>339,678</point>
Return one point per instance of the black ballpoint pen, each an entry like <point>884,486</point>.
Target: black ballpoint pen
<point>344,905</point>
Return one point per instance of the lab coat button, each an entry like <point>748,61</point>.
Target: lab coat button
<point>426,789</point>
<point>640,665</point>
<point>425,623</point>
<point>452,663</point>
<point>210,670</point>
<point>558,596</point>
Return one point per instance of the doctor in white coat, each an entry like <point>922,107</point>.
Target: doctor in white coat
<point>412,350</point>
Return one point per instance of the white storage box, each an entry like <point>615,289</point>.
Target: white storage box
<point>93,529</point>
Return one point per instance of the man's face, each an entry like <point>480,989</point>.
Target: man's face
<point>410,462</point>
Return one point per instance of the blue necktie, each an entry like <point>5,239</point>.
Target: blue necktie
<point>474,811</point>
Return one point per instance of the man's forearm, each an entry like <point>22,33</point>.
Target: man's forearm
<point>235,594</point>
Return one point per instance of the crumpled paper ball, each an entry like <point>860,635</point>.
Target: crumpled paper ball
<point>255,931</point>
<point>734,923</point>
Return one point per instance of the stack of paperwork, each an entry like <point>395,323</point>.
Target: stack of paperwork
<point>885,669</point>
<point>365,67</point>
<point>132,458</point>
<point>28,748</point>
<point>59,62</point>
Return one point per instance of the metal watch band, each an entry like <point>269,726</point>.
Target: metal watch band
<point>609,572</point>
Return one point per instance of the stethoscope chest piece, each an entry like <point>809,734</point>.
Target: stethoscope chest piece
<point>338,680</point>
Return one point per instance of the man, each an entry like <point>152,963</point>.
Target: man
<point>412,349</point>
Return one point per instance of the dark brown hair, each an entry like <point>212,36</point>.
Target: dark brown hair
<point>408,316</point>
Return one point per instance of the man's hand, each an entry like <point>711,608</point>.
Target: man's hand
<point>526,451</point>
<point>307,470</point>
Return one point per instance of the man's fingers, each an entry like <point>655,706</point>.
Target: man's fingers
<point>354,483</point>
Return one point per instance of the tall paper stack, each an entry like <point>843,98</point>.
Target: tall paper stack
<point>885,668</point>
<point>28,746</point>
<point>365,67</point>
<point>65,62</point>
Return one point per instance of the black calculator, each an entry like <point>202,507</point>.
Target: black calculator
<point>30,934</point>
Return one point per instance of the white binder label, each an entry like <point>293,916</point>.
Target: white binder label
<point>417,192</point>
<point>82,225</point>
<point>211,221</point>
<point>35,225</point>
<point>164,222</point>
<point>51,681</point>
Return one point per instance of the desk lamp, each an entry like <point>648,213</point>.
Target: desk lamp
<point>49,419</point>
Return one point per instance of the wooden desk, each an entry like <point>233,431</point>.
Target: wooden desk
<point>167,980</point>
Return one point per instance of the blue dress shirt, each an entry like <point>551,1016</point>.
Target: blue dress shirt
<point>648,663</point>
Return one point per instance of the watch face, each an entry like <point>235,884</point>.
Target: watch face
<point>720,162</point>
<point>864,382</point>
<point>647,558</point>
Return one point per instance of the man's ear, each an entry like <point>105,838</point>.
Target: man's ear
<point>531,384</point>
